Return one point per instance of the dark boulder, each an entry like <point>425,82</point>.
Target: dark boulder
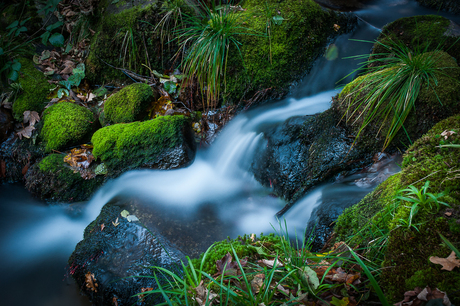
<point>6,124</point>
<point>343,5</point>
<point>452,6</point>
<point>305,151</point>
<point>115,254</point>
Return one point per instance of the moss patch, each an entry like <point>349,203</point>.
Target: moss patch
<point>407,255</point>
<point>295,44</point>
<point>427,32</point>
<point>65,124</point>
<point>128,104</point>
<point>436,101</point>
<point>138,143</point>
<point>35,90</point>
<point>51,179</point>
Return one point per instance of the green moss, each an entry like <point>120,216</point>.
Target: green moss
<point>128,104</point>
<point>52,179</point>
<point>295,43</point>
<point>436,100</point>
<point>429,32</point>
<point>35,90</point>
<point>407,254</point>
<point>126,39</point>
<point>65,123</point>
<point>137,143</point>
<point>243,246</point>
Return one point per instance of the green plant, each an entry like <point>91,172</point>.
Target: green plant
<point>389,87</point>
<point>272,19</point>
<point>206,41</point>
<point>421,199</point>
<point>13,45</point>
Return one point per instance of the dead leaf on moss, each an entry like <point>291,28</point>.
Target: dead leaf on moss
<point>446,134</point>
<point>26,132</point>
<point>226,264</point>
<point>205,297</point>
<point>418,296</point>
<point>257,283</point>
<point>448,263</point>
<point>270,263</point>
<point>31,117</point>
<point>90,281</point>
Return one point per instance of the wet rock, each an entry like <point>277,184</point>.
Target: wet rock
<point>452,6</point>
<point>305,151</point>
<point>107,263</point>
<point>6,124</point>
<point>346,192</point>
<point>343,5</point>
<point>16,157</point>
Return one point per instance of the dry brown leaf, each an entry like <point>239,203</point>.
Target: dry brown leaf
<point>90,281</point>
<point>102,227</point>
<point>446,134</point>
<point>26,132</point>
<point>257,283</point>
<point>142,296</point>
<point>448,263</point>
<point>32,117</point>
<point>116,223</point>
<point>270,263</point>
<point>282,289</point>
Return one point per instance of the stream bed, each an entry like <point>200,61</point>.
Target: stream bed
<point>215,197</point>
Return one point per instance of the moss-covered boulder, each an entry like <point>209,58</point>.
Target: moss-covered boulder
<point>129,104</point>
<point>452,6</point>
<point>164,143</point>
<point>408,250</point>
<point>277,61</point>
<point>119,255</point>
<point>35,90</point>
<point>429,33</point>
<point>435,101</point>
<point>52,179</point>
<point>66,124</point>
<point>125,38</point>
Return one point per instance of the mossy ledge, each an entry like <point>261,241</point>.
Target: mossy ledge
<point>128,104</point>
<point>51,179</point>
<point>144,144</point>
<point>66,124</point>
<point>407,255</point>
<point>35,90</point>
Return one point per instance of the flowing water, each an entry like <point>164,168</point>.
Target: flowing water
<point>217,189</point>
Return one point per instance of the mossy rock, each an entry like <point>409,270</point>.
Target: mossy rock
<point>428,32</point>
<point>125,38</point>
<point>407,255</point>
<point>66,124</point>
<point>129,104</point>
<point>435,101</point>
<point>165,142</point>
<point>52,179</point>
<point>295,42</point>
<point>35,90</point>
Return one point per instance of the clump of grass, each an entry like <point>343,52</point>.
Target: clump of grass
<point>206,41</point>
<point>390,85</point>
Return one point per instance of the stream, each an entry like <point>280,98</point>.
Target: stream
<point>216,192</point>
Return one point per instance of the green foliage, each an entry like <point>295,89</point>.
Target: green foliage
<point>35,90</point>
<point>207,39</point>
<point>390,86</point>
<point>65,123</point>
<point>129,104</point>
<point>137,143</point>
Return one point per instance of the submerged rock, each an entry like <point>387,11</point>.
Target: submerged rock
<point>108,264</point>
<point>305,151</point>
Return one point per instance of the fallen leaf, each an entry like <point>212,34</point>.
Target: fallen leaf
<point>336,27</point>
<point>253,237</point>
<point>448,263</point>
<point>228,266</point>
<point>114,301</point>
<point>282,289</point>
<point>102,227</point>
<point>116,223</point>
<point>26,167</point>
<point>447,133</point>
<point>448,214</point>
<point>257,283</point>
<point>271,263</point>
<point>2,168</point>
<point>308,277</point>
<point>90,281</point>
<point>142,296</point>
<point>124,213</point>
<point>32,117</point>
<point>132,218</point>
<point>26,132</point>
<point>343,302</point>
